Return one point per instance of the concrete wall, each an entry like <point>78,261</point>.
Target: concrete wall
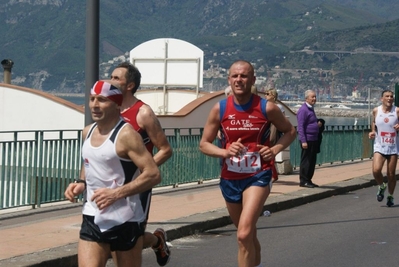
<point>29,109</point>
<point>194,114</point>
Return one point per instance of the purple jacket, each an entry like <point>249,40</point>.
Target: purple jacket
<point>308,129</point>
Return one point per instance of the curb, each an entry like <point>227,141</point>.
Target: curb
<point>66,256</point>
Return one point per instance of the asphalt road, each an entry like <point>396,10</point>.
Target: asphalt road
<point>346,230</point>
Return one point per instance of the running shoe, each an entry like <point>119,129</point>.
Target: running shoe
<point>162,251</point>
<point>381,190</point>
<point>390,201</point>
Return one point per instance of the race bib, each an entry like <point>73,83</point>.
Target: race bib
<point>247,163</point>
<point>388,138</point>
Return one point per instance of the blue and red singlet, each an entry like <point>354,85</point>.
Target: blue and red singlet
<point>248,122</point>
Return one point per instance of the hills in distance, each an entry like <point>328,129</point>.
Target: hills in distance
<point>46,38</point>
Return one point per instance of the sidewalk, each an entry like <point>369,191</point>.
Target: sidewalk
<point>180,211</point>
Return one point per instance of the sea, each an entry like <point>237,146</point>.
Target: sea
<point>345,121</point>
<point>330,121</point>
<point>78,100</point>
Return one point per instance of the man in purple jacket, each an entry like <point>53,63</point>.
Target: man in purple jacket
<point>308,131</point>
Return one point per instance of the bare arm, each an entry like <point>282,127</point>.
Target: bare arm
<point>278,119</point>
<point>75,189</point>
<point>396,127</point>
<point>210,132</point>
<point>372,134</point>
<point>148,121</point>
<point>131,145</point>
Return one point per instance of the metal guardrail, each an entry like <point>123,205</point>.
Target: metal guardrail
<point>37,166</point>
<point>187,163</point>
<point>339,144</point>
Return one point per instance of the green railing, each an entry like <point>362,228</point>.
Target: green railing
<point>339,144</point>
<point>37,166</point>
<point>187,163</point>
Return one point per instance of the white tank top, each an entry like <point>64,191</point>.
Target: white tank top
<point>386,140</point>
<point>105,169</point>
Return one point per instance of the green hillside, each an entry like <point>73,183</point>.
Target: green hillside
<point>377,38</point>
<point>46,39</point>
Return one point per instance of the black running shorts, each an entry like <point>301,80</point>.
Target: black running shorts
<point>120,238</point>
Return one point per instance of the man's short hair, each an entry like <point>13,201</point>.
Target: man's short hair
<point>308,92</point>
<point>386,91</point>
<point>252,70</point>
<point>133,75</point>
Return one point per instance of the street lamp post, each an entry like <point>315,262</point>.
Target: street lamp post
<point>92,51</point>
<point>369,107</point>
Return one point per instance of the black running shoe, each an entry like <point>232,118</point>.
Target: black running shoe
<point>390,201</point>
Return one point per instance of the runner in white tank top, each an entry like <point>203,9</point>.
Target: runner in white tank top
<point>384,131</point>
<point>386,140</point>
<point>112,212</point>
<point>115,173</point>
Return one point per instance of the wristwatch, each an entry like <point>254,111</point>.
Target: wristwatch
<point>76,181</point>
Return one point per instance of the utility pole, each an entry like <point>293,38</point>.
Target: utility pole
<point>369,107</point>
<point>92,51</point>
<point>332,85</point>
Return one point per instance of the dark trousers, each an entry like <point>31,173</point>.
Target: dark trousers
<point>308,162</point>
